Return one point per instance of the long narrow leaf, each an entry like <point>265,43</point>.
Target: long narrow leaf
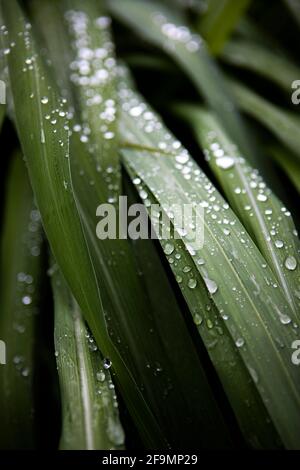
<point>288,162</point>
<point>121,321</point>
<point>263,61</point>
<point>257,207</point>
<point>89,405</point>
<point>253,310</point>
<point>21,274</point>
<point>220,20</point>
<point>158,25</point>
<point>284,124</point>
<point>45,141</point>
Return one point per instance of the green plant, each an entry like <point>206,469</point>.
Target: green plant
<point>158,343</point>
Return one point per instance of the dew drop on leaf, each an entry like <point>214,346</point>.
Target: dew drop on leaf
<point>197,319</point>
<point>225,163</point>
<point>106,363</point>
<point>26,300</point>
<point>169,248</point>
<point>100,376</point>
<point>240,342</point>
<point>192,283</point>
<point>290,263</point>
<point>211,285</point>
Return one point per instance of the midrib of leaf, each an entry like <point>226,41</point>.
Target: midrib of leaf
<point>264,229</point>
<point>89,414</point>
<point>86,398</point>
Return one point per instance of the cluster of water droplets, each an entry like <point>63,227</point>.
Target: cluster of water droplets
<point>93,72</point>
<point>26,290</point>
<point>176,34</point>
<point>253,191</point>
<point>162,165</point>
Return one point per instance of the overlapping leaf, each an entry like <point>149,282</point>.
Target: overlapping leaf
<point>164,29</point>
<point>21,276</point>
<point>268,221</point>
<point>121,320</point>
<point>252,310</point>
<point>90,411</point>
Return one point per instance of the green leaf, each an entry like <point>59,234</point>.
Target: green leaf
<point>122,321</point>
<point>21,275</point>
<point>288,163</point>
<point>89,406</point>
<point>264,216</point>
<point>256,426</point>
<point>283,124</point>
<point>263,61</point>
<point>220,20</point>
<point>251,311</point>
<point>46,144</point>
<point>136,320</point>
<point>294,7</point>
<point>161,27</point>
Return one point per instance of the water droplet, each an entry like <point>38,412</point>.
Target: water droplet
<point>26,300</point>
<point>285,319</point>
<point>169,248</point>
<point>211,285</point>
<point>136,111</point>
<point>192,283</point>
<point>183,158</point>
<point>44,100</point>
<point>143,194</point>
<point>262,197</point>
<point>25,372</point>
<point>100,376</point>
<point>186,269</point>
<point>136,181</point>
<point>198,319</point>
<point>253,374</point>
<point>109,135</point>
<point>290,263</point>
<point>278,243</point>
<point>240,342</point>
<point>106,363</point>
<point>225,163</point>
